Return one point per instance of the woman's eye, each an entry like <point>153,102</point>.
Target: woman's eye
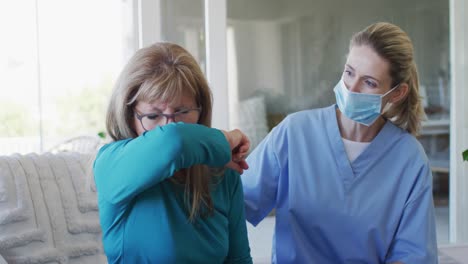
<point>371,84</point>
<point>348,72</point>
<point>153,116</point>
<point>183,111</point>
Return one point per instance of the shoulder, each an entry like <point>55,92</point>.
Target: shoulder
<point>318,114</point>
<point>305,121</point>
<point>226,186</point>
<point>226,181</point>
<point>408,154</point>
<point>408,144</point>
<point>230,178</point>
<point>112,147</point>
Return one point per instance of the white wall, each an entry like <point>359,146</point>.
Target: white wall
<point>259,57</point>
<point>314,37</point>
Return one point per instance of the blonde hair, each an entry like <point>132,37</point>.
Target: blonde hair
<point>395,46</point>
<point>165,72</point>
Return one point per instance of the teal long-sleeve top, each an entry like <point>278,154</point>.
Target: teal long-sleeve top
<point>143,216</point>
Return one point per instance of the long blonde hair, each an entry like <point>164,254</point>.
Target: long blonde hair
<point>164,71</point>
<point>395,46</point>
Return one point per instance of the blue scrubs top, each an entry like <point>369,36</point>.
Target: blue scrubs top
<point>377,209</point>
<point>143,215</point>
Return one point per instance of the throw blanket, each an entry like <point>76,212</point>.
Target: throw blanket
<point>48,209</point>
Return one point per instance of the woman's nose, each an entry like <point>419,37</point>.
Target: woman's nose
<point>353,86</point>
<point>170,119</point>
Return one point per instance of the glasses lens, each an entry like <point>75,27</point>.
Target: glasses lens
<point>151,121</point>
<point>187,115</point>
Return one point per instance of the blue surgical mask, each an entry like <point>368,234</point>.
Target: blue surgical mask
<point>361,107</point>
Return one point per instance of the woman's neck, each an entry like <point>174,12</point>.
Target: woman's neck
<point>355,131</point>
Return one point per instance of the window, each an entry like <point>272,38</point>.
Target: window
<point>59,62</point>
<point>183,22</point>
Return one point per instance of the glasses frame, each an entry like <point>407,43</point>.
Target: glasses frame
<point>167,116</point>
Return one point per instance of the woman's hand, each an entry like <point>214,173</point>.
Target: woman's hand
<point>240,146</point>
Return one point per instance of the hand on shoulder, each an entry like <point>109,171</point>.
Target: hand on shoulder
<point>240,145</point>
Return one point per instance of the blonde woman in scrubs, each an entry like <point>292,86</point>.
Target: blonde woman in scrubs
<point>350,182</point>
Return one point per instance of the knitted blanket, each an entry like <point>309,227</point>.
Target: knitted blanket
<point>48,209</point>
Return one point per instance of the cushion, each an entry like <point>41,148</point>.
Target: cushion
<point>48,211</point>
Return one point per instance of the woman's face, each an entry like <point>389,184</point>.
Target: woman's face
<point>149,115</point>
<point>366,72</point>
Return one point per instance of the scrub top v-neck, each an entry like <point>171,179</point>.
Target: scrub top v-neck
<point>376,209</point>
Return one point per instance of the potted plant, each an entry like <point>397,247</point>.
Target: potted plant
<point>465,155</point>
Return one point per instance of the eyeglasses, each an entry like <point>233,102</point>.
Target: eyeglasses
<point>151,120</point>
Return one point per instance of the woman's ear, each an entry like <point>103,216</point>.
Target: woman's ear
<point>399,94</point>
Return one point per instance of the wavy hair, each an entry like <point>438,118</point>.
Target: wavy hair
<point>165,72</point>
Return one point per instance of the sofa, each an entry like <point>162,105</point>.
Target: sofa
<point>48,209</point>
<point>49,214</point>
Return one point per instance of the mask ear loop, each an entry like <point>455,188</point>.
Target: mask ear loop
<point>387,105</point>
